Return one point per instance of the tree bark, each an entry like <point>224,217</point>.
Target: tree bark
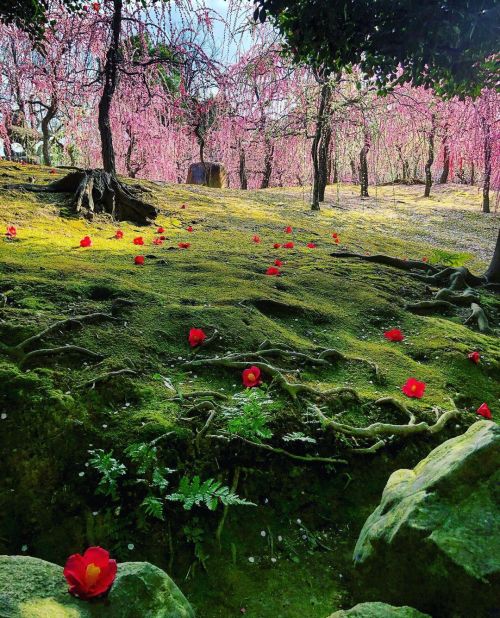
<point>493,272</point>
<point>268,163</point>
<point>243,169</point>
<point>487,165</point>
<point>320,145</point>
<point>446,159</point>
<point>110,81</point>
<point>50,114</point>
<point>430,158</point>
<point>363,165</point>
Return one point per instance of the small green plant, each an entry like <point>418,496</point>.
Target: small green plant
<point>298,436</point>
<point>249,415</point>
<point>194,492</point>
<point>110,470</point>
<point>195,534</point>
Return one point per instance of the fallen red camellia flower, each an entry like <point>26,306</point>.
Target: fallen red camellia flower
<point>139,240</point>
<point>484,411</point>
<point>184,245</point>
<point>277,245</point>
<point>335,235</point>
<point>288,245</point>
<point>190,228</point>
<point>337,240</point>
<point>118,234</point>
<point>251,377</point>
<point>90,575</point>
<point>475,357</point>
<point>273,271</point>
<point>139,260</point>
<point>196,337</point>
<point>425,259</point>
<point>183,206</point>
<point>414,388</point>
<point>278,263</point>
<point>311,245</point>
<point>288,229</point>
<point>157,241</point>
<point>163,238</point>
<point>394,335</point>
<point>256,238</point>
<point>159,230</point>
<point>11,231</point>
<point>52,172</point>
<point>86,241</point>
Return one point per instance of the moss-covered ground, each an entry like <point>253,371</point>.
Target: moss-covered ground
<point>289,556</point>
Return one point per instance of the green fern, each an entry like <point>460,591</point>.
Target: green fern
<point>298,436</point>
<point>193,492</point>
<point>153,507</point>
<point>110,470</point>
<point>143,455</point>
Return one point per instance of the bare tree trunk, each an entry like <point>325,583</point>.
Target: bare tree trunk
<point>323,161</point>
<point>472,173</point>
<point>487,165</point>
<point>320,145</point>
<point>268,163</point>
<point>110,80</point>
<point>363,165</point>
<point>243,168</point>
<point>446,159</point>
<point>430,158</point>
<point>354,174</point>
<point>49,115</point>
<point>493,272</point>
<point>335,167</point>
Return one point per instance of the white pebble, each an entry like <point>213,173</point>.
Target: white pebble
<point>130,546</point>
<point>251,559</point>
<point>24,548</point>
<point>3,416</point>
<point>262,533</point>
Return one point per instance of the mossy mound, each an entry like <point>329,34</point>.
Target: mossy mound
<point>33,588</point>
<point>438,528</point>
<point>378,610</point>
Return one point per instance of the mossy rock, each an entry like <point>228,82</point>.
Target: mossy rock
<point>33,588</point>
<point>434,540</point>
<point>378,610</point>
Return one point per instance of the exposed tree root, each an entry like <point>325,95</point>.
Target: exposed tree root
<point>21,356</point>
<point>457,286</point>
<point>96,191</point>
<point>107,376</point>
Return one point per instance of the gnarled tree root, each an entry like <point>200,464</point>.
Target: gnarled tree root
<point>96,191</point>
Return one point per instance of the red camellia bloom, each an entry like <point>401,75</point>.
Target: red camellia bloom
<point>337,240</point>
<point>118,234</point>
<point>273,271</point>
<point>157,241</point>
<point>256,238</point>
<point>190,228</point>
<point>52,172</point>
<point>163,238</point>
<point>184,245</point>
<point>425,259</point>
<point>159,230</point>
<point>251,377</point>
<point>277,245</point>
<point>139,260</point>
<point>288,245</point>
<point>311,245</point>
<point>139,240</point>
<point>183,207</point>
<point>394,335</point>
<point>484,411</point>
<point>196,337</point>
<point>475,357</point>
<point>11,231</point>
<point>90,575</point>
<point>278,263</point>
<point>86,241</point>
<point>288,229</point>
<point>335,235</point>
<point>414,388</point>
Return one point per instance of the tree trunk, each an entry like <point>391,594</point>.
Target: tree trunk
<point>268,163</point>
<point>363,165</point>
<point>430,158</point>
<point>324,148</point>
<point>243,169</point>
<point>472,173</point>
<point>50,113</point>
<point>487,166</point>
<point>335,166</point>
<point>110,79</point>
<point>493,272</point>
<point>446,161</point>
<point>320,145</point>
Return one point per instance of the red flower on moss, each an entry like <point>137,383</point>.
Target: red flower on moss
<point>196,337</point>
<point>414,388</point>
<point>184,245</point>
<point>337,240</point>
<point>52,172</point>
<point>183,206</point>
<point>251,377</point>
<point>288,229</point>
<point>157,241</point>
<point>288,245</point>
<point>335,235</point>
<point>425,259</point>
<point>11,231</point>
<point>90,575</point>
<point>394,335</point>
<point>190,228</point>
<point>256,238</point>
<point>139,260</point>
<point>475,357</point>
<point>118,234</point>
<point>273,271</point>
<point>311,245</point>
<point>86,241</point>
<point>484,411</point>
<point>163,238</point>
<point>160,230</point>
<point>278,263</point>
<point>139,240</point>
<point>277,245</point>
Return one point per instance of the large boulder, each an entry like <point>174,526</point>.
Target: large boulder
<point>378,610</point>
<point>209,174</point>
<point>33,588</point>
<point>434,540</point>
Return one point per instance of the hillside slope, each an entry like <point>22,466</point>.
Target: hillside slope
<point>58,407</point>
